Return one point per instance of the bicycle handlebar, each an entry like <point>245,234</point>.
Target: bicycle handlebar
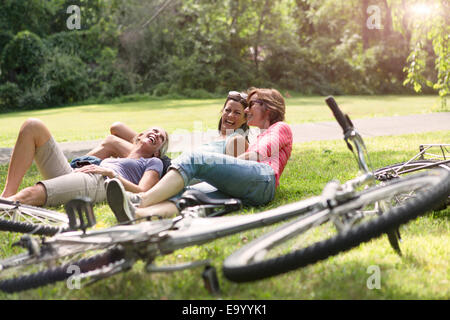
<point>341,119</point>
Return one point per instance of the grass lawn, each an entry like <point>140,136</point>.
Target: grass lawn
<point>421,273</point>
<point>90,122</point>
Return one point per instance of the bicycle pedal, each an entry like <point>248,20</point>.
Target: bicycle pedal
<point>81,213</point>
<point>210,280</point>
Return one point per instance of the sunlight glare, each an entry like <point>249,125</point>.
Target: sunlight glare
<point>421,9</point>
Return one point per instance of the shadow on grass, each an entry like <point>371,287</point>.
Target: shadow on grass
<point>332,279</point>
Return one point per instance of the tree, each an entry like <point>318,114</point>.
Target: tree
<point>432,33</point>
<point>22,57</point>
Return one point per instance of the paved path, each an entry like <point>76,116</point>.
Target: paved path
<point>302,132</point>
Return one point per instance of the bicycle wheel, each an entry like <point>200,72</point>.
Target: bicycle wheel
<point>50,260</point>
<point>314,237</point>
<point>16,217</point>
<point>40,273</point>
<point>404,168</point>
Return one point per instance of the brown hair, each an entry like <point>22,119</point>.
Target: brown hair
<point>273,100</point>
<point>244,103</point>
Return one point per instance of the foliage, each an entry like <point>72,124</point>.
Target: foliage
<point>84,44</point>
<point>22,57</point>
<point>432,41</point>
<point>65,79</point>
<point>32,15</point>
<point>195,48</point>
<point>110,79</point>
<point>5,38</point>
<point>9,96</point>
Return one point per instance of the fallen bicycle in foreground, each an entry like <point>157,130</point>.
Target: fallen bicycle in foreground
<point>348,217</point>
<point>90,255</point>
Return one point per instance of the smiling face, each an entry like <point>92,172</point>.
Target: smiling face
<point>152,140</point>
<point>257,113</point>
<point>233,116</point>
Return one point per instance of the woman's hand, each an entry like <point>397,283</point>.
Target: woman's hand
<point>92,168</point>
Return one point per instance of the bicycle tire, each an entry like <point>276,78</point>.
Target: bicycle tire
<point>61,273</point>
<point>23,227</point>
<point>66,248</point>
<point>401,168</point>
<point>238,268</point>
<point>16,217</point>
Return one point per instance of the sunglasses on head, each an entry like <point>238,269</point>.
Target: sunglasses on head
<point>238,97</point>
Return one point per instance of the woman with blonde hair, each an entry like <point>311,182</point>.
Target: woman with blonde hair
<point>138,171</point>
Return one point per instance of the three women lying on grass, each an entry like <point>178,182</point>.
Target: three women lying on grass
<point>251,176</point>
<point>137,164</point>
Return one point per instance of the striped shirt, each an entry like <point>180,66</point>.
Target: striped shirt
<point>274,146</point>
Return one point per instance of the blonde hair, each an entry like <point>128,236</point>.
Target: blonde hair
<point>273,100</point>
<point>164,146</point>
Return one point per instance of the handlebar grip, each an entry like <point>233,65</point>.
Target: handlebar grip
<point>341,119</point>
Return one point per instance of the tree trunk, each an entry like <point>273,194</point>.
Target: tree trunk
<point>364,29</point>
<point>405,23</point>
<point>258,35</point>
<point>388,20</point>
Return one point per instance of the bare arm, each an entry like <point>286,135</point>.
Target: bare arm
<point>118,144</point>
<point>123,131</point>
<point>236,146</point>
<point>112,146</point>
<point>251,156</point>
<point>148,180</point>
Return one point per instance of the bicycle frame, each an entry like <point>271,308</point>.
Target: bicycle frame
<point>149,239</point>
<point>414,164</point>
<point>423,148</point>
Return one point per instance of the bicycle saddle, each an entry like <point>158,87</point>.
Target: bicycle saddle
<point>195,197</point>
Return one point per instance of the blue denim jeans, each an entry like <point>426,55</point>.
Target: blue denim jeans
<point>250,181</point>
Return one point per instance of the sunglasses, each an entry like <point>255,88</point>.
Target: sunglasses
<point>256,101</point>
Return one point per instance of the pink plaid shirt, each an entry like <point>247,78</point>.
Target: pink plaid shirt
<point>274,145</point>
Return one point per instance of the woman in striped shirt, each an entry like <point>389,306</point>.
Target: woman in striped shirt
<point>252,177</point>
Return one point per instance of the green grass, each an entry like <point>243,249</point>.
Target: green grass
<point>421,273</point>
<point>91,122</point>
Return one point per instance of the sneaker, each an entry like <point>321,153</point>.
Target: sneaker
<point>118,201</point>
<point>134,198</point>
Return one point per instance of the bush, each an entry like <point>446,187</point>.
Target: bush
<point>22,57</point>
<point>32,98</point>
<point>66,79</point>
<point>9,96</point>
<point>109,80</point>
<point>197,94</point>
<point>161,89</point>
<point>84,44</point>
<point>5,38</point>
